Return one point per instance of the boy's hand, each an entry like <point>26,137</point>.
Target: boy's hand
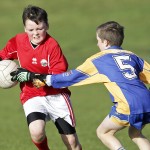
<point>22,75</point>
<point>39,80</point>
<point>38,83</point>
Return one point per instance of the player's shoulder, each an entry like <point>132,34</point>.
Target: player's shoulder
<point>51,40</point>
<point>21,36</point>
<point>117,51</point>
<point>131,53</point>
<point>99,54</point>
<point>110,52</point>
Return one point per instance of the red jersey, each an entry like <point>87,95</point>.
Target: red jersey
<point>46,58</point>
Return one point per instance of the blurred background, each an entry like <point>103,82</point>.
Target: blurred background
<point>73,25</point>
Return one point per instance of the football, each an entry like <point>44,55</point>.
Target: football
<point>6,67</point>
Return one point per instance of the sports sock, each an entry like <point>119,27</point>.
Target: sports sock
<point>43,145</point>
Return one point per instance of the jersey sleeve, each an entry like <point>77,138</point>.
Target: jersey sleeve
<point>82,75</point>
<point>10,50</point>
<point>145,74</point>
<point>58,62</point>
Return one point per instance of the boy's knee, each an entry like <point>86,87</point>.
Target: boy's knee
<point>72,141</point>
<point>99,133</point>
<point>133,134</point>
<point>37,136</point>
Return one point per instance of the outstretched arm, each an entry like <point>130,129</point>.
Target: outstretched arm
<point>86,73</point>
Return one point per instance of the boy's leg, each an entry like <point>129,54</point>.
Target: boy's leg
<point>138,138</point>
<point>68,134</point>
<point>61,113</point>
<point>71,141</point>
<point>37,132</point>
<point>34,111</point>
<point>106,131</point>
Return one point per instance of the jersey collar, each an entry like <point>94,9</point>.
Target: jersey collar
<point>114,47</point>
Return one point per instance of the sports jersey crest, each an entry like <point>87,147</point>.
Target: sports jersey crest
<point>44,62</point>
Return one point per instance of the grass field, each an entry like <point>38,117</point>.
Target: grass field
<point>73,24</point>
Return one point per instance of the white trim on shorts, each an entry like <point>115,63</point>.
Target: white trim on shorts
<point>68,102</point>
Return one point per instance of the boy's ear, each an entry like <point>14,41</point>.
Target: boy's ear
<point>106,42</point>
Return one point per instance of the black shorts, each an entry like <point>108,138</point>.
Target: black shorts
<point>63,126</point>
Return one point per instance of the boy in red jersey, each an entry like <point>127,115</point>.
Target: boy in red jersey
<point>38,52</point>
<point>123,73</point>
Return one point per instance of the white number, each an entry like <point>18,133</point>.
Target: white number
<point>127,70</point>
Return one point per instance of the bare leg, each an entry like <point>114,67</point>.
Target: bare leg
<point>71,141</point>
<point>37,131</point>
<point>139,139</point>
<point>106,131</point>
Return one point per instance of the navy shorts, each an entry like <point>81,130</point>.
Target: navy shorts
<point>135,120</point>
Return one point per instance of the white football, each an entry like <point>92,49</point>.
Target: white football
<point>6,67</point>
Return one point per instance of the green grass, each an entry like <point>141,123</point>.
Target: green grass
<point>73,24</point>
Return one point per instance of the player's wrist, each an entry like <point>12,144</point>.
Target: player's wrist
<point>48,80</point>
<point>39,80</point>
<point>41,77</point>
<point>31,76</point>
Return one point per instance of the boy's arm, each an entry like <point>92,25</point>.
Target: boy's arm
<point>145,74</point>
<point>86,73</point>
<point>9,51</point>
<point>70,78</point>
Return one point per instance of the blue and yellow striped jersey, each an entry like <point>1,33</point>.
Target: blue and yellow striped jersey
<point>122,72</point>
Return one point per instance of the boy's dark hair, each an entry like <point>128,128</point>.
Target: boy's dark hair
<point>111,31</point>
<point>35,14</point>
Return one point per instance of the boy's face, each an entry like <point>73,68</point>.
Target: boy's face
<point>36,32</point>
<point>102,44</point>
